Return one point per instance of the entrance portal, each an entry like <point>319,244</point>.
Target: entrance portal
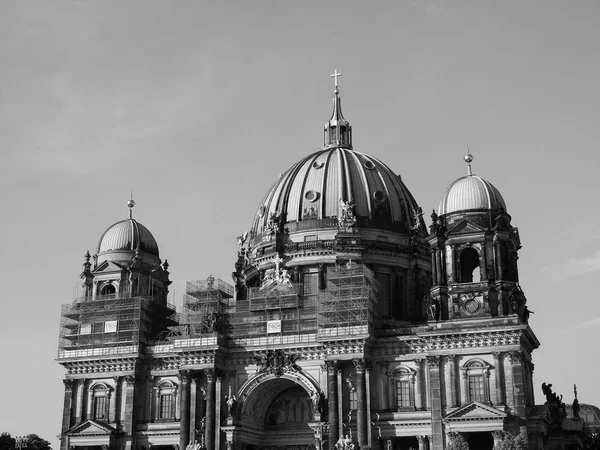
<point>275,416</point>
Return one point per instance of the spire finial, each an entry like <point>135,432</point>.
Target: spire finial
<point>468,158</point>
<point>131,204</point>
<point>335,76</point>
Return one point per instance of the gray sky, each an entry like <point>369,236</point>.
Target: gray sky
<point>198,105</point>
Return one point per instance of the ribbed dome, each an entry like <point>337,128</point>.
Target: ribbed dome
<point>309,193</point>
<point>471,193</point>
<point>128,234</point>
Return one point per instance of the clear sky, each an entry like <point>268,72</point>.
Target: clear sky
<point>198,106</point>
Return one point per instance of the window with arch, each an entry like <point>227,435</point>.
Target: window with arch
<point>476,374</point>
<point>100,402</point>
<point>403,388</point>
<point>469,265</point>
<point>108,289</point>
<point>165,408</point>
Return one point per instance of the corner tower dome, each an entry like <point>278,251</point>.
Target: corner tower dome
<point>313,193</point>
<point>471,193</point>
<point>127,235</point>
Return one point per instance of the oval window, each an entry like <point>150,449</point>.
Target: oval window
<point>261,211</point>
<point>311,196</point>
<point>317,164</point>
<point>379,196</point>
<point>369,165</point>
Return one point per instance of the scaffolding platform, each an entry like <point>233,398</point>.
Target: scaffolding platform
<point>347,306</point>
<point>111,322</point>
<point>204,305</point>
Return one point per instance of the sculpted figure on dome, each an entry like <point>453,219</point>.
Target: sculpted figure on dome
<point>269,278</point>
<point>285,279</point>
<point>241,240</point>
<point>417,214</point>
<point>273,223</point>
<point>346,216</point>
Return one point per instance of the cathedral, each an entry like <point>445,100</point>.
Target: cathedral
<point>348,324</point>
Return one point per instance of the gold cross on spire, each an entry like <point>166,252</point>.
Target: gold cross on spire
<point>335,75</point>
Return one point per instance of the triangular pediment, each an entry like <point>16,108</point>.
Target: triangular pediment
<point>107,266</point>
<point>466,227</point>
<point>475,410</point>
<point>91,428</point>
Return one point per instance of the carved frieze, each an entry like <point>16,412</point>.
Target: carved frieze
<point>277,363</point>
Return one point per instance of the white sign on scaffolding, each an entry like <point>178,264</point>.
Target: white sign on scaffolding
<point>273,326</point>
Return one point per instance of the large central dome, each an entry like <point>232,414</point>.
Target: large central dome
<point>337,182</point>
<point>308,194</point>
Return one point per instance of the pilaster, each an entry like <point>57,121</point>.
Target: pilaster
<point>209,432</point>
<point>184,429</point>
<point>361,413</point>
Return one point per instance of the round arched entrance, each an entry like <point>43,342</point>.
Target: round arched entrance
<point>275,412</point>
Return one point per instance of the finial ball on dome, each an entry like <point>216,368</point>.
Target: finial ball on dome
<point>130,203</point>
<point>468,158</point>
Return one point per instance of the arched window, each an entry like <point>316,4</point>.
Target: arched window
<point>100,402</point>
<point>108,289</point>
<point>476,374</point>
<point>403,388</point>
<point>469,266</point>
<point>165,396</point>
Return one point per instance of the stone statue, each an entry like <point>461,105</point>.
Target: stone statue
<point>241,240</point>
<point>551,397</point>
<point>231,405</point>
<point>346,216</point>
<point>344,443</point>
<point>315,398</point>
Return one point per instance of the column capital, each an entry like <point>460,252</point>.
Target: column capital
<point>184,376</point>
<point>68,384</point>
<point>331,367</point>
<point>129,380</point>
<point>433,362</point>
<point>450,358</point>
<point>210,374</point>
<point>360,364</point>
<point>516,357</point>
<point>497,356</point>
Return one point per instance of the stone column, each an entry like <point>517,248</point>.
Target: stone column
<point>453,380</point>
<point>193,406</point>
<point>332,402</point>
<point>509,386</point>
<point>384,388</point>
<point>433,363</point>
<point>419,391</point>
<point>434,267</point>
<point>368,396</point>
<point>184,429</point>
<point>520,408</point>
<point>67,410</point>
<point>128,421</point>
<point>114,404</point>
<point>499,377</point>
<point>498,252</point>
<point>361,411</point>
<point>209,432</point>
<point>218,396</point>
<point>438,264</point>
<point>422,442</point>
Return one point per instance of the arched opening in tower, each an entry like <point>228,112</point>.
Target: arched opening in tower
<point>469,266</point>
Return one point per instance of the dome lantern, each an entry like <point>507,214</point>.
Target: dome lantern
<point>337,132</point>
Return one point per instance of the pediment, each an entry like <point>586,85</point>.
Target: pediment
<point>91,428</point>
<point>466,227</point>
<point>107,266</point>
<point>475,410</point>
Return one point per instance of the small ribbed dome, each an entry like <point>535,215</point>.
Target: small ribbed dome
<point>309,193</point>
<point>127,234</point>
<point>471,193</point>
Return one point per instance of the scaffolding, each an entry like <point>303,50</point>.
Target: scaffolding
<point>204,307</point>
<point>346,307</point>
<point>110,324</point>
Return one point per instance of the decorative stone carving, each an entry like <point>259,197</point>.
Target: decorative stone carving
<point>68,384</point>
<point>330,366</point>
<point>277,363</point>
